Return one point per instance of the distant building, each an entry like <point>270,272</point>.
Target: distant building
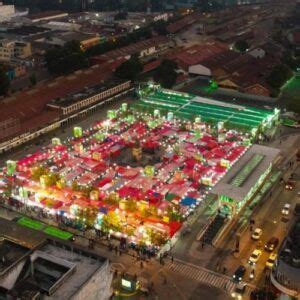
<point>52,270</point>
<point>197,54</point>
<point>10,50</point>
<point>46,16</point>
<point>86,40</point>
<point>143,48</point>
<point>286,271</point>
<point>242,72</point>
<point>62,26</point>
<point>257,53</point>
<point>9,127</point>
<point>89,96</point>
<point>6,12</point>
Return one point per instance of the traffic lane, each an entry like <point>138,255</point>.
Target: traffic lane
<point>271,225</point>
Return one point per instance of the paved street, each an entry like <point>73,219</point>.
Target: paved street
<point>205,276</point>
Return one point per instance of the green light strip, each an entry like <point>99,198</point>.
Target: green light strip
<point>243,174</point>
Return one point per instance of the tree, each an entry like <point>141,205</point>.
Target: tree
<point>279,75</point>
<point>241,46</point>
<point>160,27</point>
<point>66,59</point>
<point>32,79</point>
<point>4,82</point>
<point>291,61</point>
<point>121,16</point>
<point>130,69</point>
<point>166,73</point>
<point>292,103</point>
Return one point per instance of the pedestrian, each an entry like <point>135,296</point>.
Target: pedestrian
<point>202,245</point>
<point>172,258</point>
<point>224,270</point>
<point>142,265</point>
<point>217,266</point>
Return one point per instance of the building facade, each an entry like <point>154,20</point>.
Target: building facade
<point>9,50</point>
<point>6,12</point>
<point>286,272</point>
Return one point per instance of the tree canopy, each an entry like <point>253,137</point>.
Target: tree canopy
<point>166,73</point>
<point>66,59</point>
<point>132,37</point>
<point>4,82</point>
<point>130,69</point>
<point>241,46</point>
<point>279,75</point>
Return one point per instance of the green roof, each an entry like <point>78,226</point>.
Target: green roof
<point>33,224</point>
<point>63,235</point>
<point>244,173</point>
<point>187,106</point>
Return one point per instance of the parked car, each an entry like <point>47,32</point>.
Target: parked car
<point>256,234</point>
<point>271,260</point>
<point>271,244</point>
<point>239,273</point>
<point>286,209</point>
<point>254,257</point>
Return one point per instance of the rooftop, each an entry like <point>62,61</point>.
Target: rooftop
<point>240,179</point>
<point>197,54</point>
<point>46,14</point>
<point>86,92</point>
<point>54,268</point>
<point>290,249</point>
<point>188,106</point>
<point>10,253</point>
<point>86,265</point>
<point>134,48</point>
<point>30,106</point>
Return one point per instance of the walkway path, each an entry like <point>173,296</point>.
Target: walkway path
<point>205,276</point>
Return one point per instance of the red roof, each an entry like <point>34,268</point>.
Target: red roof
<point>132,49</point>
<point>30,106</point>
<point>151,66</point>
<point>182,23</point>
<point>197,54</point>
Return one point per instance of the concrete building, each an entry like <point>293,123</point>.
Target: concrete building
<point>52,270</point>
<point>143,49</point>
<point>6,12</point>
<point>245,178</point>
<point>89,96</point>
<point>257,53</point>
<point>286,271</point>
<point>10,50</point>
<point>60,39</point>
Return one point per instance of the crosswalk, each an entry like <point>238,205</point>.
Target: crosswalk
<point>205,276</point>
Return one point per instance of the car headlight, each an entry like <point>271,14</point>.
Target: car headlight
<point>233,295</point>
<point>239,297</point>
<point>240,278</point>
<point>234,276</point>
